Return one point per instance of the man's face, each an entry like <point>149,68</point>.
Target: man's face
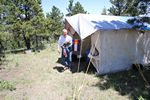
<point>64,33</point>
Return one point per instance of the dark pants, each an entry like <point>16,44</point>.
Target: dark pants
<point>67,59</point>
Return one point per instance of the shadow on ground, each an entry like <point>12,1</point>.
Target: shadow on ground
<point>59,68</point>
<point>127,83</point>
<point>75,68</point>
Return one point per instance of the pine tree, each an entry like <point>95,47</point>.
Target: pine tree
<point>19,16</point>
<point>119,7</point>
<point>31,18</point>
<point>141,14</point>
<point>78,8</point>
<point>131,8</point>
<point>104,11</point>
<point>56,21</point>
<point>2,29</point>
<point>70,8</point>
<point>75,8</point>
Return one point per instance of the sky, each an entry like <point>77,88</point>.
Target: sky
<point>91,6</point>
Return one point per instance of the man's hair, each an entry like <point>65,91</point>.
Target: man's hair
<point>65,30</point>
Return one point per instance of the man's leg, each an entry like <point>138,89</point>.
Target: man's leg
<point>62,57</point>
<point>69,59</point>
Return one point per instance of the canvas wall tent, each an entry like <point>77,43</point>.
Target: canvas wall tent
<point>114,44</point>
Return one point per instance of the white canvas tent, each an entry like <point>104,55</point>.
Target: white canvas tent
<point>117,45</point>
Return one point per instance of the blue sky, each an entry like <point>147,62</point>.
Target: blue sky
<point>92,6</point>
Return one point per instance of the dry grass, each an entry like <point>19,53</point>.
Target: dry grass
<point>36,78</point>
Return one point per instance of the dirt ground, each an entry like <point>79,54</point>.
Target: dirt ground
<point>39,76</point>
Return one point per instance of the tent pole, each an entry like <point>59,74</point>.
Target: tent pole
<point>84,78</point>
<point>79,62</point>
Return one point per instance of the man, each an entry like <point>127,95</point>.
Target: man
<point>65,45</point>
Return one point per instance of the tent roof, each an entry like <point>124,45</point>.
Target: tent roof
<point>86,24</point>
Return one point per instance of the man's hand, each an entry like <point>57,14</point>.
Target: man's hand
<point>67,43</point>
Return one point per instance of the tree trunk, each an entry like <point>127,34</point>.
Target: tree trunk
<point>2,55</point>
<point>36,41</point>
<point>1,47</point>
<point>27,41</point>
<point>28,45</point>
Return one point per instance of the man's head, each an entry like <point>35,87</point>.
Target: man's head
<point>65,32</point>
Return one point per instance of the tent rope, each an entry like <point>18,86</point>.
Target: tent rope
<point>80,56</point>
<point>138,66</point>
<point>142,75</point>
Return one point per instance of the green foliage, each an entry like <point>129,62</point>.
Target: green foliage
<point>131,8</point>
<point>141,98</point>
<point>24,26</point>
<point>20,21</point>
<point>75,8</point>
<point>127,7</point>
<point>7,85</point>
<point>137,7</point>
<point>78,8</point>
<point>1,47</point>
<point>70,8</point>
<point>119,7</point>
<point>55,21</point>
<point>139,21</point>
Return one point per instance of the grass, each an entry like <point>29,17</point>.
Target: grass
<point>6,85</point>
<point>37,76</point>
